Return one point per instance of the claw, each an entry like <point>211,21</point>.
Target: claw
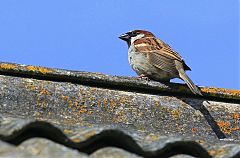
<point>142,76</point>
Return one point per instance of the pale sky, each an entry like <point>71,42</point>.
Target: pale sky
<point>83,35</point>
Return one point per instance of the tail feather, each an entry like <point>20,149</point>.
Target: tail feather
<point>189,82</point>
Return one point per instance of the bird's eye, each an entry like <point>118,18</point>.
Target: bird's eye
<point>133,33</point>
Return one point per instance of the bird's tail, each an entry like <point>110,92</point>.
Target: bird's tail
<point>189,82</point>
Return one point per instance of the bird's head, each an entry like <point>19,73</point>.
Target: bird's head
<point>131,36</point>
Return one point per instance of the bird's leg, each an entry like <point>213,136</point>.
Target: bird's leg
<point>144,77</point>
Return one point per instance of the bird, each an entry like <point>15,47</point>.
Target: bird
<point>153,59</point>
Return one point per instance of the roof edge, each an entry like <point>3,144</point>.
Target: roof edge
<point>113,82</point>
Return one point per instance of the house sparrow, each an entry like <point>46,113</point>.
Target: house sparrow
<point>152,58</point>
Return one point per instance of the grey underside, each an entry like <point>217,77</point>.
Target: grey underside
<point>141,65</point>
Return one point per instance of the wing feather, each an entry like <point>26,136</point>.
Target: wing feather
<point>162,62</point>
<point>160,54</point>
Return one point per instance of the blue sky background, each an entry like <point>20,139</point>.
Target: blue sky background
<point>82,35</point>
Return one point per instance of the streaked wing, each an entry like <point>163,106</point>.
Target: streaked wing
<point>160,54</point>
<point>162,62</point>
<point>169,52</point>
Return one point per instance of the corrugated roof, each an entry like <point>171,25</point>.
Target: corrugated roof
<point>101,114</point>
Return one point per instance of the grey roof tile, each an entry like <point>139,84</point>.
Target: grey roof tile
<point>98,114</point>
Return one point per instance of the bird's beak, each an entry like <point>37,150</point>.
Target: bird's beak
<point>124,37</point>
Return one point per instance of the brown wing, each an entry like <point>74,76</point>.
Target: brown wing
<point>169,52</point>
<point>160,54</point>
<point>162,62</point>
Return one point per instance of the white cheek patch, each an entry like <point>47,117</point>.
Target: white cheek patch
<point>136,37</point>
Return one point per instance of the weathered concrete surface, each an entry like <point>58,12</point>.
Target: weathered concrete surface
<point>44,148</point>
<point>89,111</point>
<point>115,82</point>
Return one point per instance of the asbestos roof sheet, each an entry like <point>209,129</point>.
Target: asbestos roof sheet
<point>93,115</point>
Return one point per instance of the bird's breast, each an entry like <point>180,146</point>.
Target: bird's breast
<point>141,65</point>
<point>137,60</point>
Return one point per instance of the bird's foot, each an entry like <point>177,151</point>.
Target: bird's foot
<point>143,77</point>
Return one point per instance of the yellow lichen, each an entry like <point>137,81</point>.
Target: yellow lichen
<point>67,131</point>
<point>157,103</point>
<point>123,100</point>
<point>214,91</point>
<point>30,86</point>
<point>40,103</point>
<point>77,105</point>
<point>226,127</point>
<point>82,109</point>
<point>120,117</point>
<point>105,101</point>
<point>38,69</point>
<point>76,140</point>
<point>31,68</point>
<point>113,104</point>
<point>236,116</point>
<point>7,66</point>
<point>65,98</point>
<point>89,112</point>
<point>37,114</point>
<point>216,152</point>
<point>44,70</point>
<point>175,114</point>
<point>194,130</point>
<point>99,103</point>
<point>153,137</point>
<point>44,91</point>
